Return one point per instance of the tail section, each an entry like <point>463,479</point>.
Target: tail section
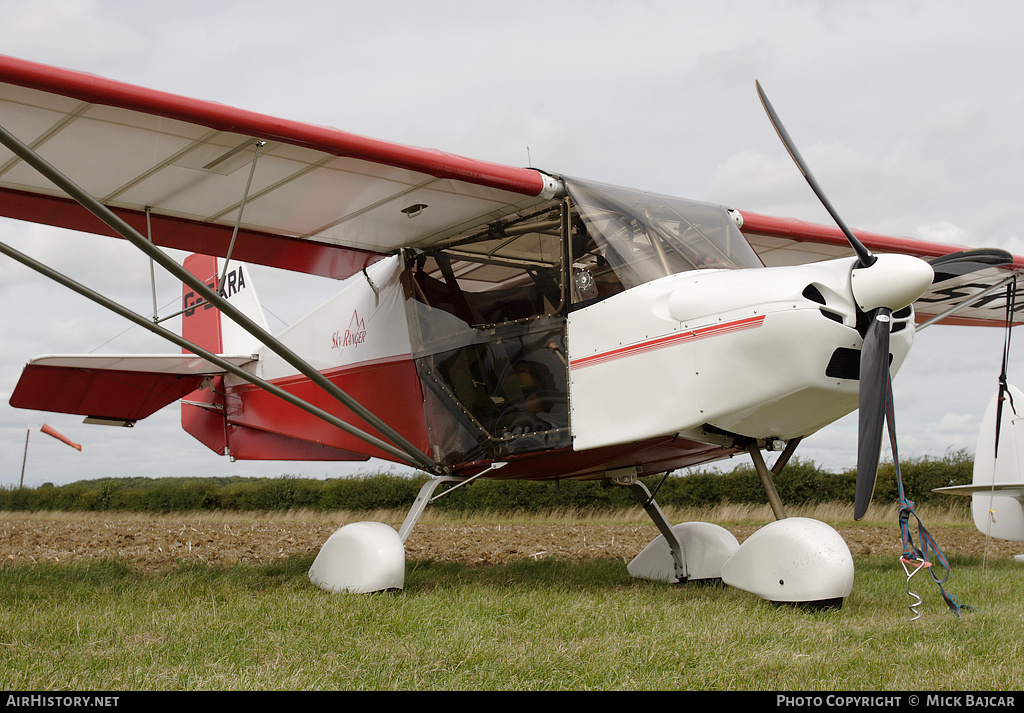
<point>205,325</point>
<point>215,412</point>
<point>201,325</point>
<point>998,507</point>
<point>203,412</point>
<point>997,490</point>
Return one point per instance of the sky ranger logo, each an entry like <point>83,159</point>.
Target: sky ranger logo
<point>351,337</point>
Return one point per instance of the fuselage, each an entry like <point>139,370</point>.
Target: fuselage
<point>610,329</point>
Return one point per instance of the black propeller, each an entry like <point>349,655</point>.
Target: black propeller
<point>874,395</point>
<point>863,254</point>
<point>874,356</point>
<point>967,261</point>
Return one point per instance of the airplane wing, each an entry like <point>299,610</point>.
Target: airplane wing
<point>114,388</point>
<point>320,201</point>
<point>969,283</point>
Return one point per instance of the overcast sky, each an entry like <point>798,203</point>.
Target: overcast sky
<point>908,113</point>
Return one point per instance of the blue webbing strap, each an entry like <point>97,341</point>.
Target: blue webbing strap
<point>928,543</point>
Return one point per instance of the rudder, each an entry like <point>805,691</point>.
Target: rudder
<point>201,325</point>
<point>203,411</point>
<point>206,326</point>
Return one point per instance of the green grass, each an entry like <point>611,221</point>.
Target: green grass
<point>530,625</point>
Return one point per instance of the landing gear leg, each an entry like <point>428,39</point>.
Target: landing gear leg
<point>687,552</point>
<point>423,499</point>
<point>794,560</point>
<point>370,556</point>
<point>766,476</point>
<point>646,500</point>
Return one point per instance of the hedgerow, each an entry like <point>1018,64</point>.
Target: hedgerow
<point>801,482</point>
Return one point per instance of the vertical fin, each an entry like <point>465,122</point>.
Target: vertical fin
<point>206,325</point>
<point>202,326</point>
<point>238,289</point>
<point>999,510</point>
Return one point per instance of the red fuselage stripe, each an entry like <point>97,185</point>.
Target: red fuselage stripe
<point>668,341</point>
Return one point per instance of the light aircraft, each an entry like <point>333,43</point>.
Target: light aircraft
<point>997,488</point>
<point>491,321</point>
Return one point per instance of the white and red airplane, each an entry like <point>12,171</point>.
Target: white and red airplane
<point>997,486</point>
<point>492,321</point>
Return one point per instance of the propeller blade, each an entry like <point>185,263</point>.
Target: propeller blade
<point>966,261</point>
<point>864,255</point>
<point>874,394</point>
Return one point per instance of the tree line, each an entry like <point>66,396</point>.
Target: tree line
<point>801,482</point>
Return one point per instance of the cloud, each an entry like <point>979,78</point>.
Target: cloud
<point>942,231</point>
<point>906,113</point>
<point>67,32</point>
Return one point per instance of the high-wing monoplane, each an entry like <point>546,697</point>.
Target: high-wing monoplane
<point>491,321</point>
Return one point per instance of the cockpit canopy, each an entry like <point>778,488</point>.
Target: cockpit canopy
<point>613,238</point>
<point>626,238</point>
<point>488,308</point>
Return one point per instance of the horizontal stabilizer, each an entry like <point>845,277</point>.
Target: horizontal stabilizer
<point>115,387</point>
<point>1000,488</point>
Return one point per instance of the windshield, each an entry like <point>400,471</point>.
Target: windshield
<point>625,238</point>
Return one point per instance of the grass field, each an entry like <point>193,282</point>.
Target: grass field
<point>527,625</point>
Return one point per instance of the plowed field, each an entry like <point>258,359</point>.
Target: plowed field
<point>156,543</point>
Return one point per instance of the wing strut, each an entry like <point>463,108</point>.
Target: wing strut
<point>410,454</point>
<point>241,208</point>
<point>199,351</point>
<point>152,272</point>
<point>973,300</point>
